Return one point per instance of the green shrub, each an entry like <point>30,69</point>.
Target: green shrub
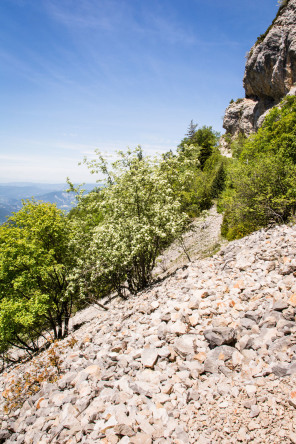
<point>261,180</point>
<point>35,263</point>
<point>141,214</point>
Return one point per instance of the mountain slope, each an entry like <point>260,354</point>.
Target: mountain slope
<point>11,196</point>
<point>207,356</point>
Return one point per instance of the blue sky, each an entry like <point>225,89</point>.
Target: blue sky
<point>76,75</point>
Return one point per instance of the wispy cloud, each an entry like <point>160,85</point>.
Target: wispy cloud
<point>117,16</point>
<point>86,14</point>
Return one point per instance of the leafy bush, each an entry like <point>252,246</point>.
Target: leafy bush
<point>140,216</point>
<point>205,139</point>
<point>261,183</point>
<point>35,261</point>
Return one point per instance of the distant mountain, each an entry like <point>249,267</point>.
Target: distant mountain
<point>12,194</point>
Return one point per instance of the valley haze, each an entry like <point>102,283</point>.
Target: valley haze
<point>12,194</point>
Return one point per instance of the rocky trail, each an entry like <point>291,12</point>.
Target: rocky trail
<point>206,356</point>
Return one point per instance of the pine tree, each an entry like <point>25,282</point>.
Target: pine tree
<point>191,130</point>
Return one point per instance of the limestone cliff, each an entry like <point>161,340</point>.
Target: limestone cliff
<point>270,74</point>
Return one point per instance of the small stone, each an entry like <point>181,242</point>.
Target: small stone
<point>253,425</point>
<point>185,345</point>
<point>141,438</point>
<point>166,317</point>
<point>220,336</point>
<point>167,389</point>
<point>292,300</point>
<point>155,305</point>
<point>149,357</point>
<point>253,315</point>
<point>123,429</point>
<point>242,434</point>
<point>280,371</point>
<point>194,320</point>
<point>255,410</point>
<point>178,328</point>
<point>292,399</point>
<point>112,422</point>
<point>194,304</point>
<point>223,405</point>
<point>201,356</point>
<point>94,371</point>
<point>280,305</point>
<point>112,438</point>
<point>124,440</point>
<point>251,390</point>
<point>292,437</point>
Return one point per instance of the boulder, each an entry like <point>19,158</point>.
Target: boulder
<point>220,336</point>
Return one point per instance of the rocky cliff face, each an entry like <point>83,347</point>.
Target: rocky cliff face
<point>270,74</point>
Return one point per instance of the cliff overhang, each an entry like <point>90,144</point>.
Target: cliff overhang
<point>270,74</point>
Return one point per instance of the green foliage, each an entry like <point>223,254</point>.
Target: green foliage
<point>261,180</point>
<point>237,145</point>
<point>140,216</point>
<point>34,265</point>
<point>204,138</point>
<point>277,134</point>
<point>215,174</point>
<point>196,188</point>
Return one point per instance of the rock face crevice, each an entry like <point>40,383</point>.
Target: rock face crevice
<point>270,74</point>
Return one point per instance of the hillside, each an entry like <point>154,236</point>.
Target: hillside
<point>142,323</point>
<point>207,356</point>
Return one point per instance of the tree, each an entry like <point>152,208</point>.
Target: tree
<point>206,139</point>
<point>140,216</point>
<point>35,262</point>
<point>191,130</point>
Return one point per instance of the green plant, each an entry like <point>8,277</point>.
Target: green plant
<point>35,263</point>
<point>261,179</point>
<point>140,216</point>
<point>237,144</point>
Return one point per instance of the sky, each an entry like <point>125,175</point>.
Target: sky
<point>80,75</point>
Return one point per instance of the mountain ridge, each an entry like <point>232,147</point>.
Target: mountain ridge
<point>12,194</point>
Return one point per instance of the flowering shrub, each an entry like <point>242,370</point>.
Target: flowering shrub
<point>140,215</point>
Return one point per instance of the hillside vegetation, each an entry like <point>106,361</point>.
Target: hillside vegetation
<point>52,264</point>
<point>261,178</point>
